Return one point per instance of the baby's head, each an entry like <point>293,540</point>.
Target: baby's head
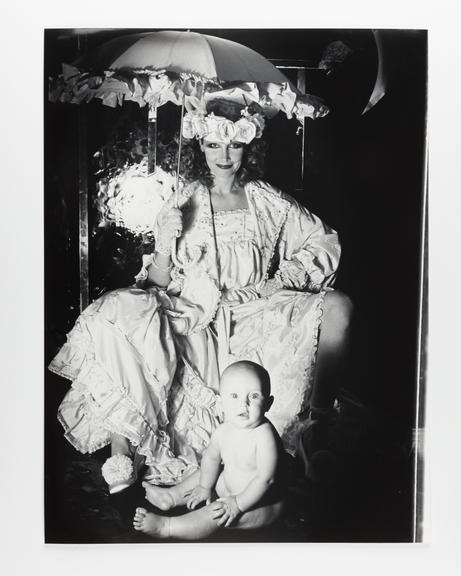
<point>245,392</point>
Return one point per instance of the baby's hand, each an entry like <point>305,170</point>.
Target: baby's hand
<point>230,510</point>
<point>198,495</point>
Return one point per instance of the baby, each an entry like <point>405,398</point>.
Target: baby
<point>242,465</point>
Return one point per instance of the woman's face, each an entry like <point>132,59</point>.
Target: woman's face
<point>223,158</point>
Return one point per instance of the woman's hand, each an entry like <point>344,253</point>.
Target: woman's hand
<point>169,226</point>
<point>227,509</point>
<point>270,287</point>
<point>198,495</point>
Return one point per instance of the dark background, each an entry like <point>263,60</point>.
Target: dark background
<point>364,175</point>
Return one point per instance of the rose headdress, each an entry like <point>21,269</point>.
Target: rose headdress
<point>198,124</point>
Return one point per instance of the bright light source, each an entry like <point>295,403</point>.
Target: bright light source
<point>132,199</point>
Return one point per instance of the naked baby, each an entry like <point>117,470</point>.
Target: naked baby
<point>240,478</point>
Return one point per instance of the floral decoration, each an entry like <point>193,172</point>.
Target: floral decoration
<point>196,124</point>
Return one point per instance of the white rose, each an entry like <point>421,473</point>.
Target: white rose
<point>212,123</point>
<point>226,129</point>
<point>245,131</point>
<point>200,126</point>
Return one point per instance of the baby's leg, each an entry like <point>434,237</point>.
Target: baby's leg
<point>167,498</point>
<point>192,526</point>
<point>259,517</point>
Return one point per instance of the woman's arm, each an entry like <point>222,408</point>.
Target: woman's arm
<point>159,272</point>
<point>156,269</point>
<point>309,251</point>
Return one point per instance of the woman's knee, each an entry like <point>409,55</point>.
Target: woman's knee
<point>338,309</point>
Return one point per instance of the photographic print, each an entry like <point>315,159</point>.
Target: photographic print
<point>235,285</point>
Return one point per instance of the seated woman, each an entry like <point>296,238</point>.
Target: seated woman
<point>250,279</point>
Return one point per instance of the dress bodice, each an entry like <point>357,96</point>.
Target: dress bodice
<point>239,256</point>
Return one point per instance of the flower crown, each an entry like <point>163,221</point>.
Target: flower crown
<point>196,124</point>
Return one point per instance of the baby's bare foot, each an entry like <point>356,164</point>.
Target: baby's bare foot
<point>151,524</point>
<point>159,497</point>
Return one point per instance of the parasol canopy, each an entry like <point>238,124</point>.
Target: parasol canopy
<point>200,55</point>
<point>154,68</point>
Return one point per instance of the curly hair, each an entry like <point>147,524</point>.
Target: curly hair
<point>193,165</point>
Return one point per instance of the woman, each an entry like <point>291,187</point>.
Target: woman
<point>240,271</point>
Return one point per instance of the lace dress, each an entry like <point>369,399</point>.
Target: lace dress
<point>136,371</point>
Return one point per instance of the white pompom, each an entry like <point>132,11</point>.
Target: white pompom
<point>117,468</point>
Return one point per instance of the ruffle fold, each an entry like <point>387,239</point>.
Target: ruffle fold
<point>101,401</point>
<point>293,432</point>
<point>94,409</point>
<point>157,87</point>
<point>195,412</point>
<point>281,333</point>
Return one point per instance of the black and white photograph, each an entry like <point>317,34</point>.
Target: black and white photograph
<point>230,288</point>
<point>235,289</point>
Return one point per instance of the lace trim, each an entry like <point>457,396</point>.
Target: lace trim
<point>211,316</point>
<point>76,350</point>
<point>100,435</point>
<point>316,277</point>
<point>195,412</point>
<point>292,274</point>
<point>88,426</point>
<point>298,369</point>
<point>297,427</point>
<point>258,188</point>
<point>177,280</point>
<point>223,213</point>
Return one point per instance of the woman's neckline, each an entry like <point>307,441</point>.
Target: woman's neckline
<point>237,209</point>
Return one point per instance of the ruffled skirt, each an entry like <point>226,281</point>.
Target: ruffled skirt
<point>133,374</point>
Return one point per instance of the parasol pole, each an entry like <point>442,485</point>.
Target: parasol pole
<point>301,85</point>
<point>303,149</point>
<point>152,139</point>
<point>176,192</point>
<point>179,155</point>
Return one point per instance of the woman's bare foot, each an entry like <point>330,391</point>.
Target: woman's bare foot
<point>160,497</point>
<point>151,524</point>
